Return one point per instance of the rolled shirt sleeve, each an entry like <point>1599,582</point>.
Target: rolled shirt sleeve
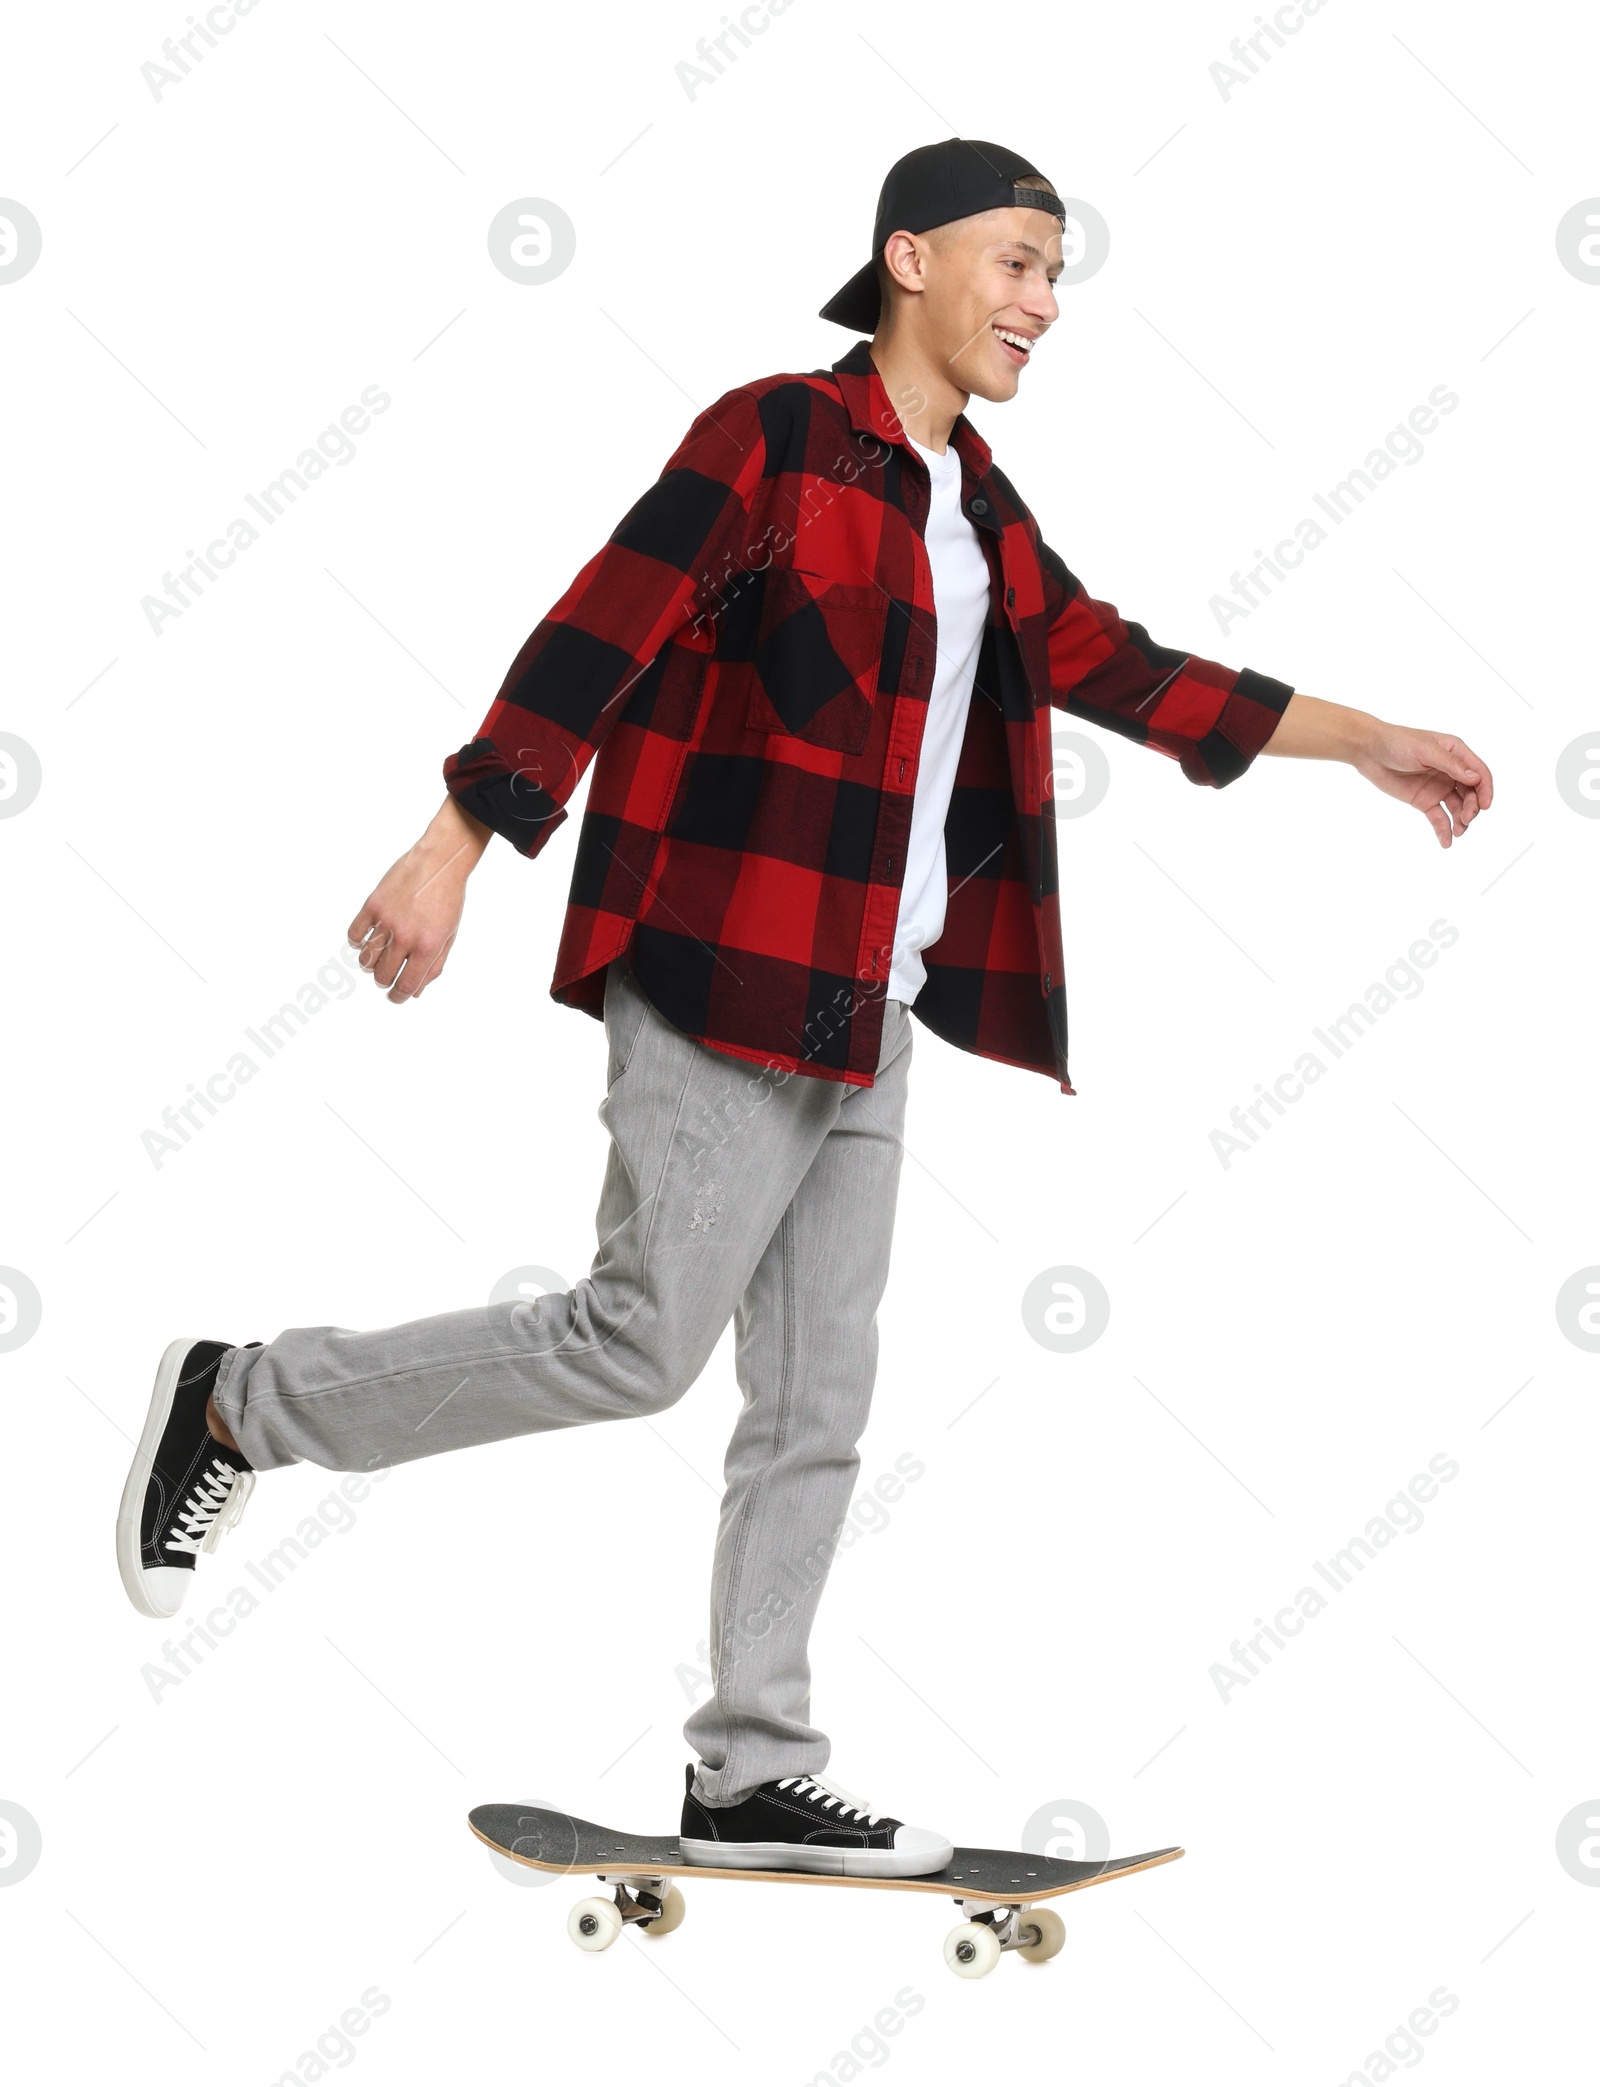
<point>1212,720</point>
<point>570,682</point>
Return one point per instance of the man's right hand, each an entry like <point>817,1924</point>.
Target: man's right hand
<point>405,929</point>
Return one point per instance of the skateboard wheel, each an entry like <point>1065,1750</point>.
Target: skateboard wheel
<point>594,1923</point>
<point>671,1916</point>
<point>971,1950</point>
<point>1052,1934</point>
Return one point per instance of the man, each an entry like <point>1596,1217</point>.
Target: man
<point>816,663</point>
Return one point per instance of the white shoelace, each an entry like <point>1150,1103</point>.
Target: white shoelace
<point>830,1793</point>
<point>215,1505</point>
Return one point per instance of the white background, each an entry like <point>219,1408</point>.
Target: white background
<point>1292,1337</point>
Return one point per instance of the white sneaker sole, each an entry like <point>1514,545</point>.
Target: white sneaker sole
<point>130,1513</point>
<point>815,1861</point>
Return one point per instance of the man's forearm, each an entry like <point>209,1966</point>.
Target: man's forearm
<point>454,840</point>
<point>1319,731</point>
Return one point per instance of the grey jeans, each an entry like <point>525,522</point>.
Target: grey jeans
<point>729,1191</point>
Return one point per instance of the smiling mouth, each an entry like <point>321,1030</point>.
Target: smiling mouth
<point>1016,345</point>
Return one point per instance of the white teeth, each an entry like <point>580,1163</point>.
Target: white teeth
<point>1017,340</point>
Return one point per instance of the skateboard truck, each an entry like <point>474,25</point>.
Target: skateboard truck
<point>1034,1932</point>
<point>645,1900</point>
<point>639,1898</point>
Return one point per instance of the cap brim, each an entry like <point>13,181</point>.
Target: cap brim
<point>856,305</point>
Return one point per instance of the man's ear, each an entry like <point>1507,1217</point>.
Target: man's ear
<point>903,261</point>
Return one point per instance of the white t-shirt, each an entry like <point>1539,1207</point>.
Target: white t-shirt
<point>961,607</point>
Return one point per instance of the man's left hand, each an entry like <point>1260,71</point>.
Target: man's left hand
<point>1434,771</point>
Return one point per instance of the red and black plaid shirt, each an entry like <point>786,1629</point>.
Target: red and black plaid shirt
<point>750,657</point>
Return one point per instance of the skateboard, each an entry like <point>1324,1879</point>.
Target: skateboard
<point>998,1890</point>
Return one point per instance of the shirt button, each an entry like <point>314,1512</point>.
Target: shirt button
<point>1011,597</point>
<point>980,507</point>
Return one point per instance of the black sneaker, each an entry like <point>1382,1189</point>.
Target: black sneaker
<point>802,1823</point>
<point>185,1487</point>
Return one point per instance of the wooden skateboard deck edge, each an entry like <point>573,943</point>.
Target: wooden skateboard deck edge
<point>942,1886</point>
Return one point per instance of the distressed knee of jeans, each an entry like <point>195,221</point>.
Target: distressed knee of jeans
<point>708,1206</point>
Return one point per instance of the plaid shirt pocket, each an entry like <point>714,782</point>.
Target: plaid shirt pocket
<point>817,652</point>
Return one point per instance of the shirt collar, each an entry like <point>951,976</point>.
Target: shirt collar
<point>866,400</point>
